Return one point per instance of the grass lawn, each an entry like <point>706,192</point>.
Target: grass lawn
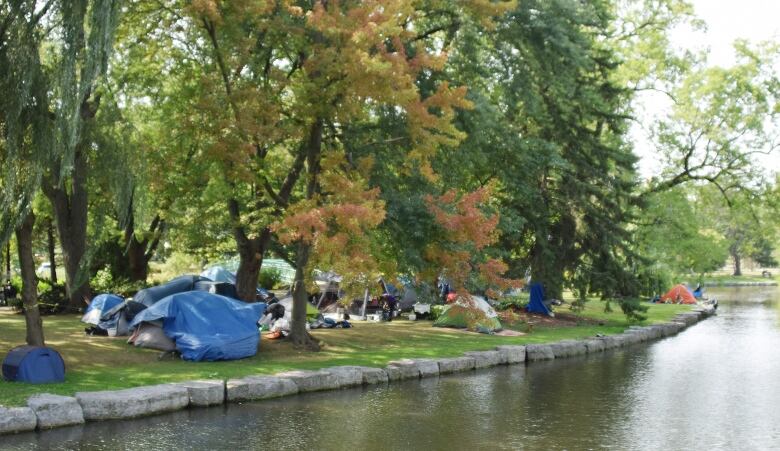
<point>103,363</point>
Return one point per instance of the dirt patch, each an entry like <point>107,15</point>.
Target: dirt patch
<point>516,316</point>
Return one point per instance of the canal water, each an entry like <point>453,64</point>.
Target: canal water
<point>713,386</point>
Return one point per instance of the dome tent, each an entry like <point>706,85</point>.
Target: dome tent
<point>207,326</point>
<point>34,364</point>
<point>100,305</point>
<point>469,312</point>
<point>679,294</point>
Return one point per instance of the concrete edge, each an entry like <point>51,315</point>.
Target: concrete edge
<point>198,393</point>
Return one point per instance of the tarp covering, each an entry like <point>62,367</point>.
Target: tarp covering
<point>34,364</point>
<point>207,326</point>
<point>100,304</point>
<point>679,294</point>
<point>219,274</point>
<point>473,313</point>
<point>149,296</point>
<point>536,302</point>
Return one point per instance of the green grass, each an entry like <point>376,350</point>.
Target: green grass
<point>103,363</point>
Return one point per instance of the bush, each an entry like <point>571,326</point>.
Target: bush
<point>633,309</point>
<point>104,282</point>
<point>269,278</point>
<point>512,302</point>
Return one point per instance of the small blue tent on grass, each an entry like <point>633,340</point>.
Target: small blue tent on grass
<point>536,303</point>
<point>207,326</point>
<point>34,364</point>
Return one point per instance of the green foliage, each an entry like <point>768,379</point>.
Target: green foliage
<point>634,309</point>
<point>104,281</point>
<point>270,278</point>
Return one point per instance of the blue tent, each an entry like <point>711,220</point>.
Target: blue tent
<point>34,364</point>
<point>536,303</point>
<point>207,326</point>
<point>100,305</point>
<point>149,296</point>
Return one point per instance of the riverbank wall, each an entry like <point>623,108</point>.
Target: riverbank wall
<point>46,411</point>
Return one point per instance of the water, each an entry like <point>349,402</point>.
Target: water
<point>714,386</point>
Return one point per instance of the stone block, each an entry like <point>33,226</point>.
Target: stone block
<point>456,364</point>
<point>538,352</point>
<point>510,355</point>
<point>17,419</point>
<point>54,411</point>
<point>485,359</point>
<point>374,376</point>
<point>567,348</point>
<point>347,376</point>
<point>259,387</point>
<point>308,381</point>
<point>595,345</point>
<point>402,369</point>
<point>610,342</point>
<point>427,367</point>
<point>132,402</point>
<point>205,392</point>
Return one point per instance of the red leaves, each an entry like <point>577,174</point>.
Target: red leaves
<point>468,229</point>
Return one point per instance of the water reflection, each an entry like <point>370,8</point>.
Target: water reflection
<point>711,387</point>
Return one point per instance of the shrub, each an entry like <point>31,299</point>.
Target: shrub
<point>269,278</point>
<point>104,282</point>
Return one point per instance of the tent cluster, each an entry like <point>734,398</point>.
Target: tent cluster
<point>197,316</point>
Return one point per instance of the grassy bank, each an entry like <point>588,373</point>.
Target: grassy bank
<point>103,363</point>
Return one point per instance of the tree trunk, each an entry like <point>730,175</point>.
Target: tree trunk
<point>250,252</point>
<point>138,253</point>
<point>737,260</point>
<point>8,259</point>
<point>32,314</point>
<point>52,264</point>
<point>299,336</point>
<point>70,210</point>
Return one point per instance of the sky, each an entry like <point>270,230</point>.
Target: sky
<point>727,20</point>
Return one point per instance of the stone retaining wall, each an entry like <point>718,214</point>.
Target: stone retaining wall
<point>47,411</point>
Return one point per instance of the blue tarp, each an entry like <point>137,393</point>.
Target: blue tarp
<point>34,364</point>
<point>536,303</point>
<point>150,296</point>
<point>207,326</point>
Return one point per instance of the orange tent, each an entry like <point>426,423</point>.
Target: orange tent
<point>679,294</point>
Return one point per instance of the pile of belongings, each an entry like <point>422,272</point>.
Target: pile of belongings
<point>469,312</point>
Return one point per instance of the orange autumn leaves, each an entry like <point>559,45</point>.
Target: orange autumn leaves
<point>468,229</point>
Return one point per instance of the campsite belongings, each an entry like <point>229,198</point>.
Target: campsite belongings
<point>206,326</point>
<point>469,312</point>
<point>34,364</point>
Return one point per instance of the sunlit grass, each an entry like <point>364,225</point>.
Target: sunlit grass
<point>103,363</point>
